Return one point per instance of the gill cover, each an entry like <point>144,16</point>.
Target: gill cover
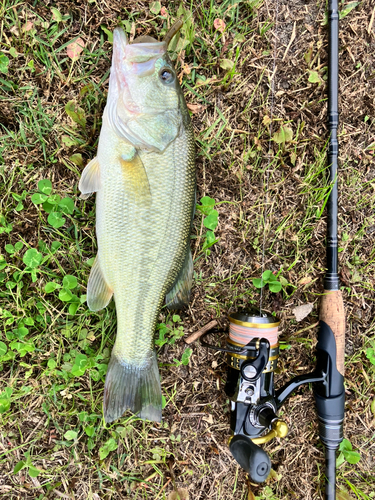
<point>143,97</point>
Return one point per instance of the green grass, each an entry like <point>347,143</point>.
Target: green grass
<point>54,351</point>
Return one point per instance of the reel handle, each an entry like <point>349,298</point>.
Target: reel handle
<point>250,457</point>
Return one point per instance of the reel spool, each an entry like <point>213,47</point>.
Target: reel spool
<point>252,351</point>
<point>243,328</point>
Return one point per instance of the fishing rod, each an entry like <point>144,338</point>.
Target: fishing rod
<point>252,347</point>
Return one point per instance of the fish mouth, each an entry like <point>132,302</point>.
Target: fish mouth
<point>141,50</point>
<point>136,58</point>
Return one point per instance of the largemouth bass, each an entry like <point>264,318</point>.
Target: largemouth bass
<point>144,179</point>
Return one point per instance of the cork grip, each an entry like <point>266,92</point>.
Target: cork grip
<point>333,314</point>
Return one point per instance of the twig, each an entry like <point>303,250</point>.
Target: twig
<point>199,333</point>
<point>306,328</point>
<point>166,484</point>
<point>290,41</point>
<point>371,22</point>
<point>62,495</point>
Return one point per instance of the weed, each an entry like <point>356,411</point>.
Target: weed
<point>53,204</point>
<point>170,333</point>
<point>210,221</point>
<point>184,358</point>
<point>268,278</point>
<point>347,454</point>
<point>27,464</point>
<point>370,354</point>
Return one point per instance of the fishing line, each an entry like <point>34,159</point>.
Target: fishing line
<point>270,130</point>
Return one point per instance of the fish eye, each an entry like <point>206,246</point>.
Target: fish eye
<point>166,75</point>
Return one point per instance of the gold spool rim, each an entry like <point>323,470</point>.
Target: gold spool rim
<point>253,325</point>
<point>241,356</point>
<point>274,346</point>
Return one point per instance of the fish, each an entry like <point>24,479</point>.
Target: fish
<point>144,179</point>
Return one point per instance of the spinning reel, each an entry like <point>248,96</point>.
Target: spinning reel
<point>252,352</point>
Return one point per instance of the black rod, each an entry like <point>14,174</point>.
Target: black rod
<point>331,281</point>
<point>330,490</point>
<point>330,395</point>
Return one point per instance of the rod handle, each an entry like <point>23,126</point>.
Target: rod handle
<point>333,314</point>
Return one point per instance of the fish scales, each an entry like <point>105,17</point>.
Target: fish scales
<point>149,242</point>
<point>144,179</point>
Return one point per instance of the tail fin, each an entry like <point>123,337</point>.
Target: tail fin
<point>129,387</point>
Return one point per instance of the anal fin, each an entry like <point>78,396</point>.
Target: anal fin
<point>179,295</point>
<point>90,179</point>
<point>99,293</point>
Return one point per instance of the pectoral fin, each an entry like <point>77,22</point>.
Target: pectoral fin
<point>90,179</point>
<point>98,292</point>
<point>135,177</point>
<point>179,295</point>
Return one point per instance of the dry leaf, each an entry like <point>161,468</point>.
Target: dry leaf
<point>66,394</point>
<point>266,120</point>
<point>27,26</point>
<point>343,495</point>
<point>196,108</point>
<point>219,25</point>
<point>200,82</point>
<point>305,281</point>
<point>179,494</point>
<point>74,49</point>
<point>250,495</point>
<point>301,312</point>
<point>209,419</point>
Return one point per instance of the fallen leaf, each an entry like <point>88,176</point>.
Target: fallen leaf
<point>285,134</point>
<point>209,419</point>
<point>250,495</point>
<point>266,120</point>
<point>219,25</point>
<point>300,312</point>
<point>74,49</point>
<point>65,394</point>
<point>196,108</point>
<point>76,113</point>
<point>348,8</point>
<point>200,81</point>
<point>343,495</point>
<point>179,494</point>
<point>155,7</point>
<point>314,77</point>
<point>226,64</point>
<point>275,476</point>
<point>56,15</point>
<point>27,26</point>
<point>77,159</point>
<point>372,407</point>
<point>293,158</point>
<point>4,63</point>
<point>304,281</point>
